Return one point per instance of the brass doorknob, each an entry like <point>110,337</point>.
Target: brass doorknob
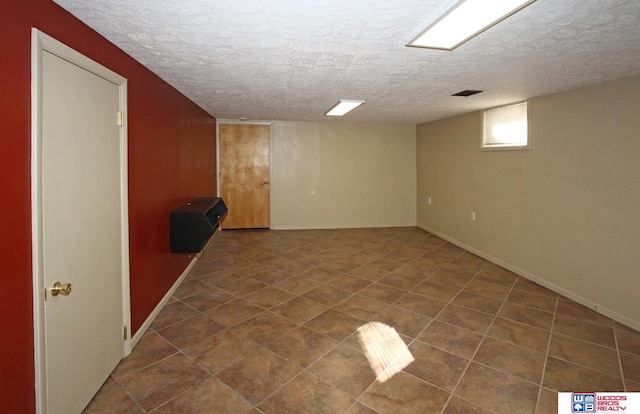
<point>62,289</point>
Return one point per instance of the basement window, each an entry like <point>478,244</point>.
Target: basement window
<point>506,128</point>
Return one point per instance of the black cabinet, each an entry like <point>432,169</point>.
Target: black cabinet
<point>193,224</point>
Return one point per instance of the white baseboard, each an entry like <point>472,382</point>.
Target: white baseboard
<point>143,329</point>
<point>543,282</point>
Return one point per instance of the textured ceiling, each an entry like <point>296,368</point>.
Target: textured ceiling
<point>293,59</point>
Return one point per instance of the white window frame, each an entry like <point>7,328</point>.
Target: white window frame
<point>505,146</point>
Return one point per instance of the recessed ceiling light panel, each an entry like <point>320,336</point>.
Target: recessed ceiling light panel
<point>464,19</point>
<point>342,107</point>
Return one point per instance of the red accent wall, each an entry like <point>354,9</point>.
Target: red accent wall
<point>171,159</point>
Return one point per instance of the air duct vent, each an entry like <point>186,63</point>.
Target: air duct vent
<point>466,92</point>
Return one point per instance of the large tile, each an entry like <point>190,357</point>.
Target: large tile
<point>520,334</point>
<point>460,269</point>
<point>268,297</point>
<point>211,396</point>
<point>221,350</point>
<point>299,309</point>
<point>435,366</point>
<point>334,324</point>
<point>321,275</point>
<point>579,329</point>
<point>190,288</point>
<point>430,261</point>
<point>297,285</point>
<point>203,268</point>
<point>628,339</point>
<point>436,291</point>
<point>495,390</point>
<point>503,278</point>
<point>191,331</point>
<point>259,375</point>
<point>341,265</point>
<point>386,264</point>
<point>350,283</point>
<point>369,272</point>
<point>466,318</point>
<point>151,349</point>
<point>529,316</point>
<point>219,278</point>
<point>404,321</point>
<point>511,359</point>
<point>110,399</point>
<point>302,346</point>
<point>358,408</point>
<point>208,299</point>
<point>587,354</point>
<point>408,276</point>
<point>242,286</point>
<point>402,394</point>
<point>630,366</point>
<point>457,405</point>
<point>567,307</point>
<point>233,313</point>
<point>327,295</point>
<point>163,381</point>
<point>487,289</point>
<point>264,327</point>
<point>421,304</point>
<point>306,394</point>
<point>631,386</point>
<point>382,293</point>
<point>296,267</point>
<point>345,369</point>
<point>450,338</point>
<point>532,300</point>
<point>532,287</point>
<point>172,313</point>
<point>448,279</point>
<point>477,302</point>
<point>272,276</point>
<point>547,402</point>
<point>567,377</point>
<point>361,307</point>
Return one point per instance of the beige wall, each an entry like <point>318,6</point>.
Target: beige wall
<point>338,175</point>
<point>566,213</point>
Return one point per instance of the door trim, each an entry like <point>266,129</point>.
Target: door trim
<point>41,42</point>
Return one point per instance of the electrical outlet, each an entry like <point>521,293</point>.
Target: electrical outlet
<point>473,216</point>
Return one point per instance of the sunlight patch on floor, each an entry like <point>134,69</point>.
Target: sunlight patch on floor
<point>385,350</point>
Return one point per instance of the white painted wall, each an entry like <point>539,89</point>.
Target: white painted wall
<point>342,175</point>
<point>566,213</point>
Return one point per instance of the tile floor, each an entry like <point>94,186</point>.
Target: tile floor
<point>266,320</point>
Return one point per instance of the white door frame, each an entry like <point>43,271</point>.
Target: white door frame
<point>42,42</point>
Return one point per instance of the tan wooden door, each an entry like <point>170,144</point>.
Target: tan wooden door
<point>244,175</point>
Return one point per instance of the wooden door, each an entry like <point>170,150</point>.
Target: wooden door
<point>81,231</point>
<point>244,175</point>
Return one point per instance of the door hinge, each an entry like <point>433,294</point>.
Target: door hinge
<point>120,118</point>
<point>124,331</point>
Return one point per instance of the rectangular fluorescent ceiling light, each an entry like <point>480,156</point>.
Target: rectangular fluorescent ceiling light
<point>342,107</point>
<point>464,19</point>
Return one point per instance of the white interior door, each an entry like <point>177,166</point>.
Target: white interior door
<point>81,232</point>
